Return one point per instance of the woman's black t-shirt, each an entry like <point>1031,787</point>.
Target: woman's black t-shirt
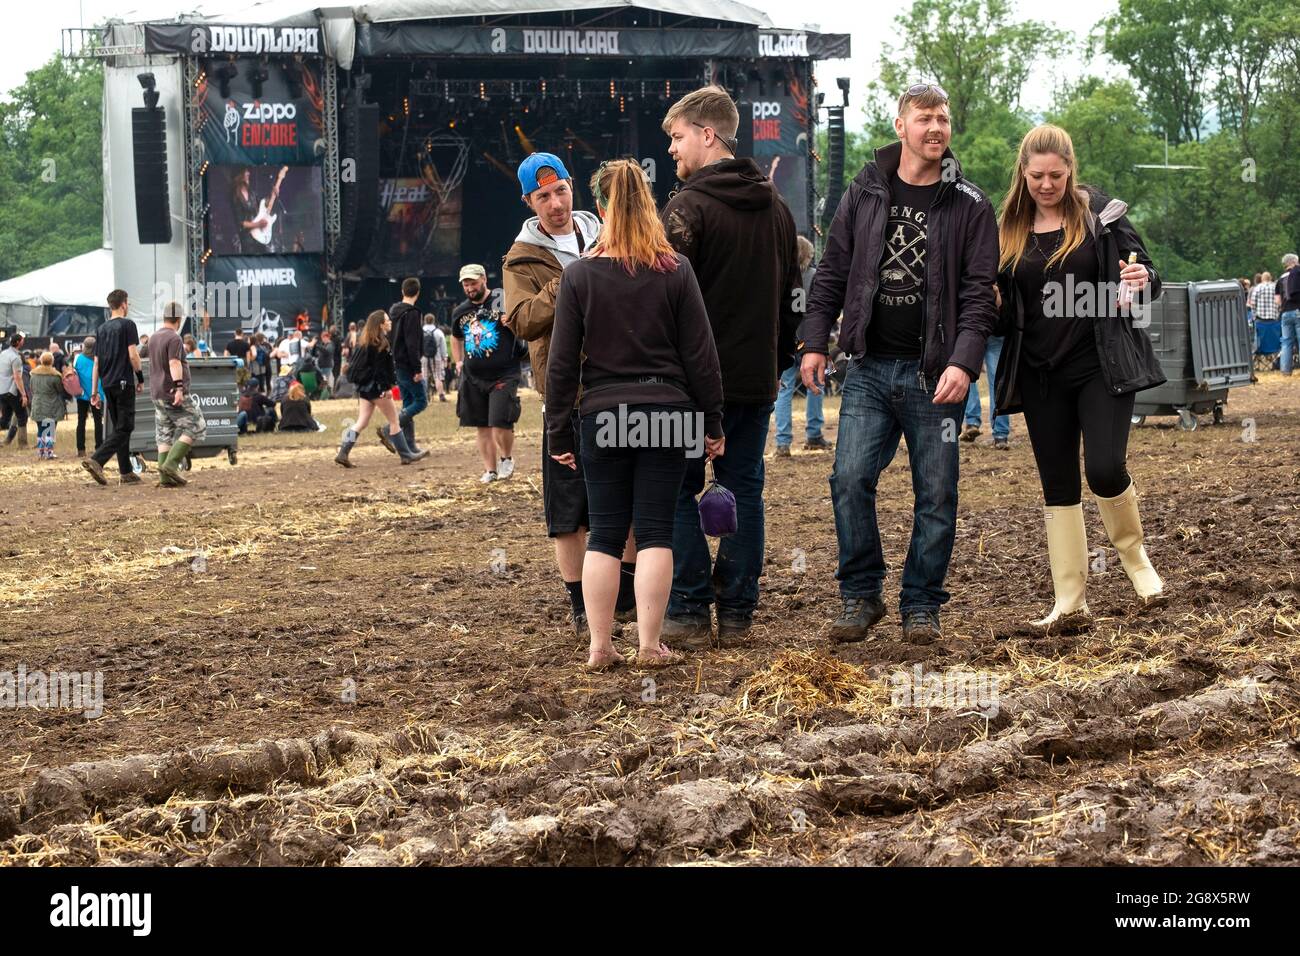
<point>1056,334</point>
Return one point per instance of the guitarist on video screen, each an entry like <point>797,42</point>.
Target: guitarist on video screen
<point>255,219</point>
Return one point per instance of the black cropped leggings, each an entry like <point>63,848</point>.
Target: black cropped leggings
<point>630,488</point>
<point>1058,408</point>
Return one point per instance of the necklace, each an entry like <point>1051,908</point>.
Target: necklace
<point>1047,271</point>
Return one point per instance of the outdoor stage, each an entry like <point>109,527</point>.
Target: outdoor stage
<point>384,143</point>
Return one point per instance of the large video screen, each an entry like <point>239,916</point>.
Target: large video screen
<point>419,228</point>
<point>265,210</point>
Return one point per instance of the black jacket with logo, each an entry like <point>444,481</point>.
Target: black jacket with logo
<point>1128,362</point>
<point>733,226</point>
<point>961,265</point>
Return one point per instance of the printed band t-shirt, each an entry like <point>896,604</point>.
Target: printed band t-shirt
<point>897,328</point>
<point>489,343</point>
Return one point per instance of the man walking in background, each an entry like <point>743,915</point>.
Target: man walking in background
<point>117,368</point>
<point>178,420</point>
<point>435,358</point>
<point>1001,424</point>
<point>488,399</point>
<point>406,339</point>
<point>14,398</point>
<point>1287,299</point>
<point>812,405</point>
<point>734,227</point>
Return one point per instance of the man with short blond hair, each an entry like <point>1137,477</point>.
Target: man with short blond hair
<point>731,223</point>
<point>710,107</point>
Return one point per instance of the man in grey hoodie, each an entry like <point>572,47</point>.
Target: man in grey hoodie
<point>555,236</point>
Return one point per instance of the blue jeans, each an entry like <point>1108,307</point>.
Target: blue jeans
<point>733,579</point>
<point>414,398</point>
<point>882,400</point>
<point>1290,327</point>
<point>785,409</point>
<point>974,411</point>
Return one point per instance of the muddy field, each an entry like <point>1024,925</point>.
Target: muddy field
<point>304,665</point>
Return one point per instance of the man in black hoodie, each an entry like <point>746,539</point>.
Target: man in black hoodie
<point>911,259</point>
<point>734,227</point>
<point>406,338</point>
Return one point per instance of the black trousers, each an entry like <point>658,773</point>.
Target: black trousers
<point>12,412</point>
<point>1059,407</point>
<point>84,409</point>
<point>121,421</point>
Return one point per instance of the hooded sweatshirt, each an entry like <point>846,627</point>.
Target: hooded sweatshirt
<point>736,230</point>
<point>530,278</point>
<point>406,338</point>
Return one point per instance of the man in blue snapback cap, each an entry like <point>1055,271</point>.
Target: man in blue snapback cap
<point>554,237</point>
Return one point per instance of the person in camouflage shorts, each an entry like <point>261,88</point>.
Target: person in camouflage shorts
<point>178,420</point>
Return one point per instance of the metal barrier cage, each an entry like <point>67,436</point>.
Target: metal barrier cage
<point>1203,342</point>
<point>212,382</point>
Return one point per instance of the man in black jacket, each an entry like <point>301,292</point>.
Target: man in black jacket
<point>406,338</point>
<point>911,259</point>
<point>734,227</point>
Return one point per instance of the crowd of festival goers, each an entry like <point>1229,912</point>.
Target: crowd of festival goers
<point>713,307</point>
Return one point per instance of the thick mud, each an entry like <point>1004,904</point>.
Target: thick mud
<point>305,665</point>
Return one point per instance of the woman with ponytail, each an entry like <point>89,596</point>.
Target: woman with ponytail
<point>1074,282</point>
<point>632,335</point>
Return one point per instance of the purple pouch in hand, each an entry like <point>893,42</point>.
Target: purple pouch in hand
<point>717,511</point>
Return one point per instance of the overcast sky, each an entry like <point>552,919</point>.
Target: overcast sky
<point>36,34</point>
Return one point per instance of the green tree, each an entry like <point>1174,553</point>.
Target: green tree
<point>1112,135</point>
<point>1170,47</point>
<point>973,49</point>
<point>1249,47</point>
<point>51,166</point>
<point>1214,222</point>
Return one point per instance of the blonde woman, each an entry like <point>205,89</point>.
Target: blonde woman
<point>48,404</point>
<point>1073,279</point>
<point>632,329</point>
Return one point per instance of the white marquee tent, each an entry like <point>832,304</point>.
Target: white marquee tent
<point>82,281</point>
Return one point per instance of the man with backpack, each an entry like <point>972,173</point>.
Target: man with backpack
<point>435,356</point>
<point>406,338</point>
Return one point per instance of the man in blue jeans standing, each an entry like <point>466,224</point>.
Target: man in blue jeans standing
<point>975,411</point>
<point>813,420</point>
<point>733,226</point>
<point>1288,304</point>
<point>406,338</point>
<point>910,260</point>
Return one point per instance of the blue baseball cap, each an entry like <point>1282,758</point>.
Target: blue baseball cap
<point>541,169</point>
